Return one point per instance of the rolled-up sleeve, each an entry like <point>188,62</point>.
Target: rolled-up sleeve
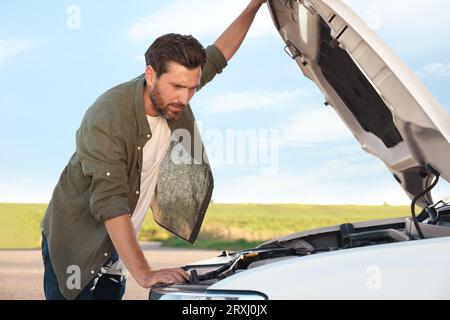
<point>215,63</point>
<point>103,159</point>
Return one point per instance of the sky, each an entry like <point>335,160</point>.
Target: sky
<point>56,58</point>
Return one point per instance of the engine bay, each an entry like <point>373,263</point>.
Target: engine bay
<point>434,222</point>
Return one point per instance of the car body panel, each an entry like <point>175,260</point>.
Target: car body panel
<point>394,116</point>
<point>407,270</point>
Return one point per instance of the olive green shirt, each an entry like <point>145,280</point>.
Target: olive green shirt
<point>102,179</point>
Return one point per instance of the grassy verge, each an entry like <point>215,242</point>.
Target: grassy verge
<point>226,226</point>
<point>20,225</point>
<point>238,226</point>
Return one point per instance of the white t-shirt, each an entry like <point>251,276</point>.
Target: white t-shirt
<point>153,153</point>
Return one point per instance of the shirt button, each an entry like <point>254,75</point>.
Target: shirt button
<point>92,271</point>
<point>106,254</point>
<point>108,174</point>
<point>148,136</point>
<point>137,192</point>
<point>139,148</point>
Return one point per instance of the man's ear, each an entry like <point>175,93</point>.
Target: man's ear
<point>150,75</point>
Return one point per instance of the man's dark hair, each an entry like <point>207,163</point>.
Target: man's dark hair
<point>184,50</point>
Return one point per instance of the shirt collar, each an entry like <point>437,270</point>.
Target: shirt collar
<point>143,126</point>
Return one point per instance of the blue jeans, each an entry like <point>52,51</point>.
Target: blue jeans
<point>108,287</point>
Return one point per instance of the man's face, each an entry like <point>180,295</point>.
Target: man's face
<point>171,92</point>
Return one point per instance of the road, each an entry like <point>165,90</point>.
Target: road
<point>21,271</point>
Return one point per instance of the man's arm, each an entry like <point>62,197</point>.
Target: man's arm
<point>230,41</point>
<point>121,232</point>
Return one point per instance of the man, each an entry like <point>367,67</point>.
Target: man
<point>124,163</point>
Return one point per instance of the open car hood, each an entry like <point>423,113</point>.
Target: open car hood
<point>388,110</point>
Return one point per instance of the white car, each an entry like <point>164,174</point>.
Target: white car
<point>395,118</point>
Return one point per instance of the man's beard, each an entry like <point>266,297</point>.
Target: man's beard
<point>159,105</point>
<point>157,101</point>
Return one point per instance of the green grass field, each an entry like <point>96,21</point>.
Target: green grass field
<point>20,225</point>
<point>226,226</point>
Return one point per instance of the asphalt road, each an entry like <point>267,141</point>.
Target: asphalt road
<point>21,271</point>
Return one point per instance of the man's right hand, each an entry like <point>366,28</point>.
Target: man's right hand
<point>164,276</point>
<point>121,232</point>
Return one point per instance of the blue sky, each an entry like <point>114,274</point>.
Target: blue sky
<point>52,69</point>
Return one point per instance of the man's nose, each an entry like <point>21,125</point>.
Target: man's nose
<point>184,97</point>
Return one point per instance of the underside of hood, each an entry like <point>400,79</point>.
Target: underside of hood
<point>389,111</point>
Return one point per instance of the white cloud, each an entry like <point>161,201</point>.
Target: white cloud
<point>436,70</point>
<point>311,124</point>
<point>26,191</point>
<point>244,101</point>
<point>314,125</point>
<point>417,16</point>
<point>334,182</point>
<point>203,19</point>
<point>10,48</point>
